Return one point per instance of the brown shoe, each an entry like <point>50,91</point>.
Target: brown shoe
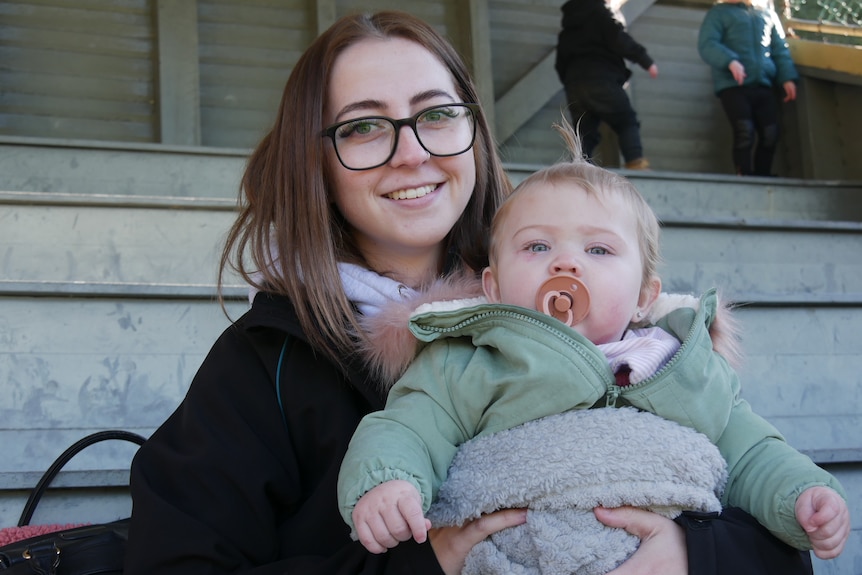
<point>638,164</point>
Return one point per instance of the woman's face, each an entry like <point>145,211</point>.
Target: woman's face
<point>399,212</point>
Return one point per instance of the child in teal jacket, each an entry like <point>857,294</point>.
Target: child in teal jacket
<point>745,47</point>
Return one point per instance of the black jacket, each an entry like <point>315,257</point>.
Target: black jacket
<point>594,45</point>
<point>226,485</point>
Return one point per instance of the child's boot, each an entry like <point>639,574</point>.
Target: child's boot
<point>638,164</point>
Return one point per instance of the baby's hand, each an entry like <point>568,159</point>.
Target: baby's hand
<point>824,516</point>
<point>388,514</point>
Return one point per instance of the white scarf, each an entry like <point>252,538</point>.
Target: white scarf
<point>370,291</point>
<point>365,288</point>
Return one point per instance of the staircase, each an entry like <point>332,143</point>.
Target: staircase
<point>107,303</point>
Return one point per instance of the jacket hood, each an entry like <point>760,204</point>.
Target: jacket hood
<point>390,346</point>
<point>576,13</point>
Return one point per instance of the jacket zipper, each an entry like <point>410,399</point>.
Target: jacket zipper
<point>614,391</point>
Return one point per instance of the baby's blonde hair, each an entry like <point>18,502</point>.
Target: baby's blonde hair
<point>594,180</point>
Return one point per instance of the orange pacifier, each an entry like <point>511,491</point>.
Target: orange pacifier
<point>565,298</point>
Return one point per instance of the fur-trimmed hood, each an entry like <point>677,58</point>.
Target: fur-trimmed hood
<point>390,347</point>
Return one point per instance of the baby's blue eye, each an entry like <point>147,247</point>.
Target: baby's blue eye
<point>538,247</point>
<point>597,251</point>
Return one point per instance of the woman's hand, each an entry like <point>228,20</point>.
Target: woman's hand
<point>662,549</point>
<point>451,544</point>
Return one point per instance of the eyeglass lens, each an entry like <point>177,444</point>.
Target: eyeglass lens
<point>370,142</point>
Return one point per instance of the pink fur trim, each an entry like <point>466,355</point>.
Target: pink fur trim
<point>12,534</point>
<point>725,328</point>
<point>725,333</point>
<point>389,347</point>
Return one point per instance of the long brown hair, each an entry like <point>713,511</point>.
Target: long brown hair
<point>289,234</point>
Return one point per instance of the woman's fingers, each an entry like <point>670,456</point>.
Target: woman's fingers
<point>452,544</point>
<point>662,548</point>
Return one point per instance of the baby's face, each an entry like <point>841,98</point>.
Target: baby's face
<point>555,229</point>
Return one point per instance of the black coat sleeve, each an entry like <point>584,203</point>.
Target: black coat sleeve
<point>622,44</point>
<point>226,485</point>
<point>734,543</point>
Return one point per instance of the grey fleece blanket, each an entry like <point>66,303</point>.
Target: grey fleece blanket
<point>560,468</point>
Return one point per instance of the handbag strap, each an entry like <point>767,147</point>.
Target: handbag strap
<point>278,381</point>
<point>63,459</point>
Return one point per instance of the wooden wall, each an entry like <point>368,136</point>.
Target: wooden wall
<point>210,73</point>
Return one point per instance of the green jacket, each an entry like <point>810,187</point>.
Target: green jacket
<point>753,36</point>
<point>491,367</point>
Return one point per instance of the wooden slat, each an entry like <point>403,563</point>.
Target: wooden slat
<point>246,53</point>
<point>59,58</point>
<point>178,77</point>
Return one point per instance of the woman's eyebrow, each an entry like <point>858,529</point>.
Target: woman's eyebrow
<point>356,106</point>
<point>430,95</point>
<point>371,104</point>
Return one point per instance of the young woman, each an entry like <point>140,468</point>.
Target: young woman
<point>379,175</point>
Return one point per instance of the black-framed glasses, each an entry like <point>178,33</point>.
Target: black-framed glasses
<point>369,142</point>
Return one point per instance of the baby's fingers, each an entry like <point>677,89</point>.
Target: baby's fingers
<point>829,539</point>
<point>374,536</point>
<point>825,517</point>
<point>411,514</point>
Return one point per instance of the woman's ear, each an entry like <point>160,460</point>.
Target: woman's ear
<point>490,285</point>
<point>649,294</point>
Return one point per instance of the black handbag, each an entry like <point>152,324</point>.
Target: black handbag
<point>88,550</point>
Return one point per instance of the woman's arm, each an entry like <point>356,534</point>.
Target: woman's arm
<point>227,486</point>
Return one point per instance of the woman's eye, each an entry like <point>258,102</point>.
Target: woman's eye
<point>358,128</point>
<point>442,114</point>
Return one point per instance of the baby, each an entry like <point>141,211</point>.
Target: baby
<point>573,318</point>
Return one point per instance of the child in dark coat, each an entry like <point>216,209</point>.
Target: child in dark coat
<point>591,52</point>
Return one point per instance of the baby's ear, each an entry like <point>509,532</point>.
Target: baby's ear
<point>490,285</point>
<point>649,295</point>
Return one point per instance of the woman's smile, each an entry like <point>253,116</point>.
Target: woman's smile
<point>411,193</point>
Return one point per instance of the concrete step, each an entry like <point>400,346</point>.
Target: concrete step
<point>728,200</point>
<point>107,308</point>
<point>153,246</point>
<point>118,169</point>
<point>71,243</point>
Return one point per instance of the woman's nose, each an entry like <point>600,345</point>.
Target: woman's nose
<point>408,150</point>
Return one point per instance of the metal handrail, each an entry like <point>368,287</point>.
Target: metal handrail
<point>822,27</point>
